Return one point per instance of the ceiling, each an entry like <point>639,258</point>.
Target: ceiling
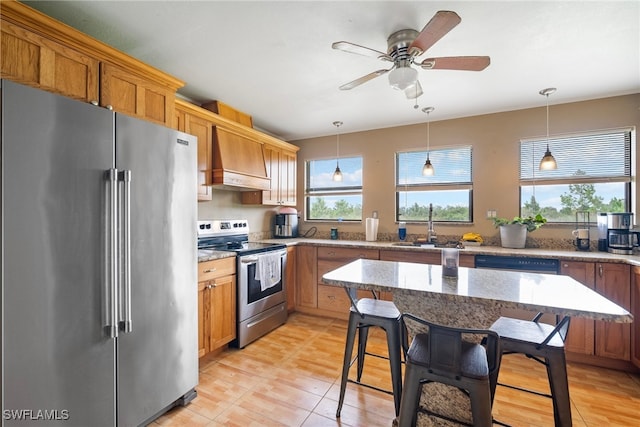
<point>274,61</point>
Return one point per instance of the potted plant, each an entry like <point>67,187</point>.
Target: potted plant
<point>513,232</point>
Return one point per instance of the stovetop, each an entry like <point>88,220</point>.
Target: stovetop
<point>230,235</point>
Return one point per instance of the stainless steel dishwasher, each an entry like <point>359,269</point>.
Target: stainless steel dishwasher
<point>524,265</point>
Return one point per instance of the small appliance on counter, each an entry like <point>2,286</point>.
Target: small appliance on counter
<point>285,223</point>
<point>621,239</point>
<point>581,234</point>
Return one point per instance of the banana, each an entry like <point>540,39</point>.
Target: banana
<point>472,237</point>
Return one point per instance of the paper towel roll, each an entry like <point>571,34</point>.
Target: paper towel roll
<point>372,229</point>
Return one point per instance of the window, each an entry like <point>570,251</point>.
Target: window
<point>449,190</point>
<point>326,199</point>
<point>594,175</point>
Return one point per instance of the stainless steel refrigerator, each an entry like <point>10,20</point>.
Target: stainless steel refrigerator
<point>99,264</point>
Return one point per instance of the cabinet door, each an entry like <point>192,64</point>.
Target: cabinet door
<point>635,310</point>
<point>290,278</point>
<point>35,61</point>
<point>411,256</point>
<point>613,340</point>
<point>581,336</point>
<point>134,96</point>
<point>272,162</point>
<point>307,276</point>
<point>288,176</point>
<point>203,318</point>
<point>222,328</point>
<point>202,129</point>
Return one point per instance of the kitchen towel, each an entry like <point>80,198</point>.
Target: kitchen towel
<point>268,270</point>
<point>372,229</point>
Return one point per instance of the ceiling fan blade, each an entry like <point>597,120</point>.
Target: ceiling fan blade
<point>441,23</point>
<point>465,63</point>
<point>364,79</point>
<point>414,91</point>
<point>361,50</point>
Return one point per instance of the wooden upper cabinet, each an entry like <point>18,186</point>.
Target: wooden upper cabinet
<point>281,169</point>
<point>39,51</point>
<point>202,129</point>
<point>32,60</point>
<point>135,96</point>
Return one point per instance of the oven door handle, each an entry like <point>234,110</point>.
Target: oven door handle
<point>250,259</point>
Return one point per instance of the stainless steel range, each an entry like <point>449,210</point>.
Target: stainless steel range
<point>261,298</point>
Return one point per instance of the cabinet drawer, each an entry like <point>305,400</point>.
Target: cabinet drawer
<point>346,254</point>
<point>333,298</point>
<point>209,270</point>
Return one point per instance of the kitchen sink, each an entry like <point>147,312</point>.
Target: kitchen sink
<point>451,244</point>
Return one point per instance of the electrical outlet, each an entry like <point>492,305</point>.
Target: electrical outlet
<point>492,213</point>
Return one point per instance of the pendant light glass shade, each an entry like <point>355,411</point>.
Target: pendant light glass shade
<point>337,174</point>
<point>427,169</point>
<point>548,162</point>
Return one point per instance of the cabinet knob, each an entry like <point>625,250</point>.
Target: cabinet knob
<point>210,270</point>
<point>109,107</point>
<point>94,102</point>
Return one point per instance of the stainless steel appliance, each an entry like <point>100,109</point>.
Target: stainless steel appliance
<point>621,239</point>
<point>260,308</point>
<point>99,266</point>
<point>285,225</point>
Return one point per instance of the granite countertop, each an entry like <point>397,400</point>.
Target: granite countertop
<point>567,255</point>
<point>555,294</point>
<point>210,254</point>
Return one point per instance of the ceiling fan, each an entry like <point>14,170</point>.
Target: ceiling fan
<point>402,49</point>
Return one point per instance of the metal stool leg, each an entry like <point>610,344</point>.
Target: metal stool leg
<point>559,385</point>
<point>410,398</point>
<point>394,346</point>
<point>348,349</point>
<point>363,334</point>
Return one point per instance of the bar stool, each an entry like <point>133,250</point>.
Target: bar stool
<point>443,355</point>
<point>545,344</point>
<point>364,313</point>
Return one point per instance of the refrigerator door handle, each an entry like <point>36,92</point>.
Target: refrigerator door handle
<point>125,211</point>
<point>111,251</point>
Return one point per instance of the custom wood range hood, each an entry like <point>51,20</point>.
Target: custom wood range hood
<point>238,162</point>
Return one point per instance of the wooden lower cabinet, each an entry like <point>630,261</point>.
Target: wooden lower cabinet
<point>307,277</point>
<point>581,336</point>
<point>216,304</point>
<point>635,310</point>
<point>600,343</point>
<point>290,278</point>
<point>613,340</point>
<point>435,258</point>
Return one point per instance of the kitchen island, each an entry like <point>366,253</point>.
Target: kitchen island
<point>472,300</point>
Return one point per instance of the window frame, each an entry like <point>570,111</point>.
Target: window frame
<point>331,191</point>
<point>433,186</point>
<point>538,178</point>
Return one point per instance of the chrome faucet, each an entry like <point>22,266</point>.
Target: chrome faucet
<point>432,237</point>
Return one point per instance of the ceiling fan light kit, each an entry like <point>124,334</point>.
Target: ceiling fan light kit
<point>403,78</point>
<point>402,49</point>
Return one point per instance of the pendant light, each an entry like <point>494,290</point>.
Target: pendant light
<point>337,175</point>
<point>548,162</point>
<point>427,169</point>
